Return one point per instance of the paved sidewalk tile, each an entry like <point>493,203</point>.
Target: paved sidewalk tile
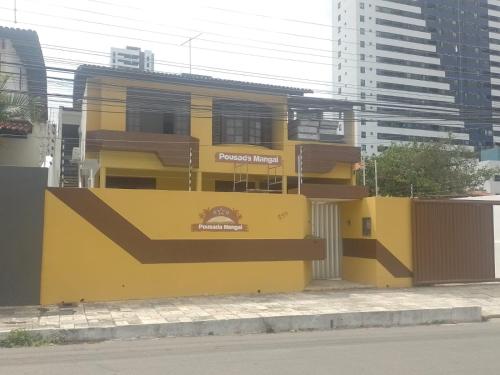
<point>195,309</point>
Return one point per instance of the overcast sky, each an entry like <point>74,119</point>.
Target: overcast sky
<point>273,41</point>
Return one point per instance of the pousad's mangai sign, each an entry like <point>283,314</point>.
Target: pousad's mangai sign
<point>220,219</point>
<point>230,157</point>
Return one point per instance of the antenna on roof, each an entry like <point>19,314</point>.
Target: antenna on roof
<point>188,42</point>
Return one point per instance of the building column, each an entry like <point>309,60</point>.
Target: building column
<point>199,181</point>
<point>102,177</point>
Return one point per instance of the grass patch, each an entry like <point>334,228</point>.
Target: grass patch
<point>21,338</point>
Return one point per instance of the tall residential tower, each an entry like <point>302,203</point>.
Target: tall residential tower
<point>423,69</point>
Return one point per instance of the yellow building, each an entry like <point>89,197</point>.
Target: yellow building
<point>189,132</point>
<point>237,188</point>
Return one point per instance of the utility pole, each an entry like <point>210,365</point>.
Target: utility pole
<point>364,170</point>
<point>299,169</point>
<point>190,168</point>
<point>188,42</point>
<point>376,178</point>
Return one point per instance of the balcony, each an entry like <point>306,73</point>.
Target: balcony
<point>332,192</point>
<point>173,150</point>
<point>319,120</point>
<point>322,158</point>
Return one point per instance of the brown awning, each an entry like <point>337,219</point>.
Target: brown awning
<point>173,150</point>
<point>321,158</point>
<point>327,191</point>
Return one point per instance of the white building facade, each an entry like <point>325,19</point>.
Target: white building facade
<point>23,143</point>
<point>132,58</point>
<point>419,69</point>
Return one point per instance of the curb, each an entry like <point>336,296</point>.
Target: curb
<point>319,322</point>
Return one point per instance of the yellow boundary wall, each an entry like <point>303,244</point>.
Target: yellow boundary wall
<point>80,263</point>
<point>391,234</point>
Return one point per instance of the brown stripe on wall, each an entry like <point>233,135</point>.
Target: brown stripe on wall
<point>373,249</point>
<point>148,251</point>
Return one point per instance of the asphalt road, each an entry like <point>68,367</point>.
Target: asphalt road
<point>452,349</point>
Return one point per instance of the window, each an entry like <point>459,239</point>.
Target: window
<point>152,111</point>
<point>497,177</point>
<point>362,5</point>
<point>362,69</point>
<point>362,43</point>
<point>362,57</point>
<point>363,147</point>
<point>361,18</point>
<point>362,31</point>
<point>228,186</point>
<point>363,83</point>
<point>114,182</point>
<point>363,134</point>
<point>241,123</point>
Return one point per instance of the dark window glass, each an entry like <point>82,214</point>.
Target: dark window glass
<point>241,123</point>
<point>114,182</point>
<point>150,111</point>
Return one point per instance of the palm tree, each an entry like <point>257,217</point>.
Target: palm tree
<point>16,106</point>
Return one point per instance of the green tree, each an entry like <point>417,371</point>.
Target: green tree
<point>16,105</point>
<point>426,169</point>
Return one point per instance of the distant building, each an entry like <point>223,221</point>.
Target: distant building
<point>132,58</point>
<point>422,70</point>
<point>69,130</point>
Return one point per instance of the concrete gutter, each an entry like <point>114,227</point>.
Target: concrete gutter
<point>319,322</point>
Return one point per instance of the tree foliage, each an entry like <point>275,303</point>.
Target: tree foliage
<point>426,169</point>
<point>17,105</point>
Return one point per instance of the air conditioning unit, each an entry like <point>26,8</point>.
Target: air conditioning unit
<point>76,155</point>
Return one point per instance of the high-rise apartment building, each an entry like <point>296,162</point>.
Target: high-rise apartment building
<point>132,58</point>
<point>423,69</point>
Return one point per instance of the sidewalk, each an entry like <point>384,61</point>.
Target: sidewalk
<point>258,313</point>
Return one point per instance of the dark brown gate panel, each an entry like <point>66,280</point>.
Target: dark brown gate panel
<point>453,241</point>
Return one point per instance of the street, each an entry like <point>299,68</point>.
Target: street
<point>449,349</point>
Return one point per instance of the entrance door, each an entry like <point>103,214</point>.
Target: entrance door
<point>326,224</point>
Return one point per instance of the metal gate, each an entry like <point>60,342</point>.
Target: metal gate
<point>326,224</point>
<point>453,241</point>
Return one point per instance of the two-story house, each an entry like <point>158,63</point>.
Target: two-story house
<point>191,132</point>
<point>183,132</point>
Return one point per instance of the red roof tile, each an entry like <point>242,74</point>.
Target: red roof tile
<point>15,127</point>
